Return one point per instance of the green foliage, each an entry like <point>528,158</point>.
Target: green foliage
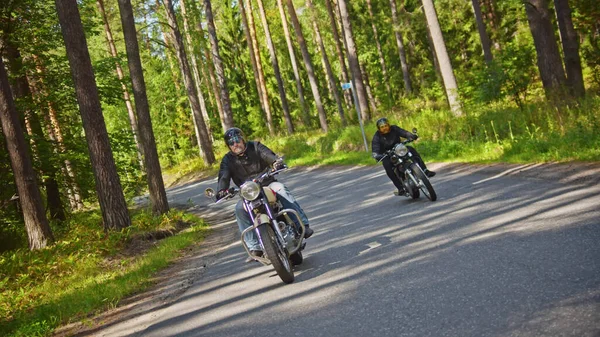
<point>85,270</point>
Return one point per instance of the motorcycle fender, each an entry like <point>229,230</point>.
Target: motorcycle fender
<point>270,194</point>
<point>261,219</point>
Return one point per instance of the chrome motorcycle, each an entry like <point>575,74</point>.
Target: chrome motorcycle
<point>281,240</point>
<point>409,172</point>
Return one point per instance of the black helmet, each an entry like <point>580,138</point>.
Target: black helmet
<point>381,122</point>
<point>233,135</point>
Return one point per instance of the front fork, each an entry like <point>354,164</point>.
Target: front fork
<point>261,219</point>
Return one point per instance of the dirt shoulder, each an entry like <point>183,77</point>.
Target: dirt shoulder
<point>140,309</point>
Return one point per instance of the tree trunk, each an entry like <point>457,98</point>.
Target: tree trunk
<point>357,79</point>
<point>331,80</point>
<point>312,79</point>
<point>286,32</point>
<point>55,133</point>
<point>380,52</point>
<point>570,44</point>
<point>197,80</point>
<point>443,58</point>
<point>39,145</point>
<point>108,186</point>
<point>340,51</point>
<point>401,51</point>
<point>112,49</point>
<point>261,76</point>
<point>253,61</point>
<point>490,12</point>
<point>275,63</point>
<point>219,70</point>
<point>373,102</point>
<point>483,36</point>
<point>36,223</point>
<point>548,56</point>
<point>156,186</point>
<point>205,144</point>
<point>213,78</point>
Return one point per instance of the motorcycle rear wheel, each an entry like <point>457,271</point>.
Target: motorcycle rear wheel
<point>276,254</point>
<point>424,183</point>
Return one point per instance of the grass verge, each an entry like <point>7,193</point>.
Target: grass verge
<point>88,270</point>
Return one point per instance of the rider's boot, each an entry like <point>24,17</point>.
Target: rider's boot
<point>307,232</point>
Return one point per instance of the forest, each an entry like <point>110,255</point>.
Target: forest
<point>102,99</point>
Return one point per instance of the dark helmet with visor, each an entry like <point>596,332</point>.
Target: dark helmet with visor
<point>233,135</point>
<point>382,122</point>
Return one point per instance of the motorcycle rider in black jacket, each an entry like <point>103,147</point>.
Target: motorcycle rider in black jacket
<point>244,161</point>
<point>384,139</point>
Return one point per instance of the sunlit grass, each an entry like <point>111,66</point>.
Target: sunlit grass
<point>85,271</point>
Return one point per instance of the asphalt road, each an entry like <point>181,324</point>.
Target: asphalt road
<point>495,255</point>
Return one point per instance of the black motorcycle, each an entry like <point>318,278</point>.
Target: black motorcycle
<point>410,173</point>
<point>281,240</point>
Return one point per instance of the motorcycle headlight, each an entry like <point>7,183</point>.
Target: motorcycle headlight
<point>400,150</point>
<point>250,190</point>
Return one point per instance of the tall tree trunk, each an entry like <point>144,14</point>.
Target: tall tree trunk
<point>373,101</point>
<point>211,72</point>
<point>275,64</point>
<point>190,43</point>
<point>380,52</point>
<point>490,12</point>
<point>108,185</point>
<point>312,79</point>
<point>261,76</point>
<point>436,63</point>
<point>112,49</point>
<point>570,44</point>
<point>219,70</point>
<point>483,36</point>
<point>206,148</point>
<point>36,223</point>
<point>340,50</point>
<point>357,79</point>
<point>443,58</point>
<point>331,80</point>
<point>548,56</point>
<point>242,9</point>
<point>55,133</point>
<point>401,51</point>
<point>156,186</point>
<point>299,88</point>
<point>39,144</point>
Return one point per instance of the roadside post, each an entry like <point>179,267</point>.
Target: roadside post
<point>346,86</point>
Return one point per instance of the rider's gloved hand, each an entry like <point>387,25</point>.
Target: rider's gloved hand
<point>378,157</point>
<point>222,194</point>
<point>414,137</point>
<point>279,165</point>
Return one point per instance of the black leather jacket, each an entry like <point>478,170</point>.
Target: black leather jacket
<point>255,159</point>
<point>382,143</point>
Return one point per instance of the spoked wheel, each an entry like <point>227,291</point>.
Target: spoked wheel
<point>424,183</point>
<point>276,254</point>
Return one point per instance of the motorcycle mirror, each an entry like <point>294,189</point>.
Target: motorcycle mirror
<point>414,130</point>
<point>209,192</point>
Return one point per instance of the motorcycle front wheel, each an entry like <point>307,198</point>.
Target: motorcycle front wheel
<point>276,254</point>
<point>424,183</point>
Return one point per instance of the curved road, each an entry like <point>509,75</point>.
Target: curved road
<point>498,254</point>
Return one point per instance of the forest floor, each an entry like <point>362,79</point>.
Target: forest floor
<point>173,281</point>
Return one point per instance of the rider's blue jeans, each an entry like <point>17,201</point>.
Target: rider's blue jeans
<point>287,201</point>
